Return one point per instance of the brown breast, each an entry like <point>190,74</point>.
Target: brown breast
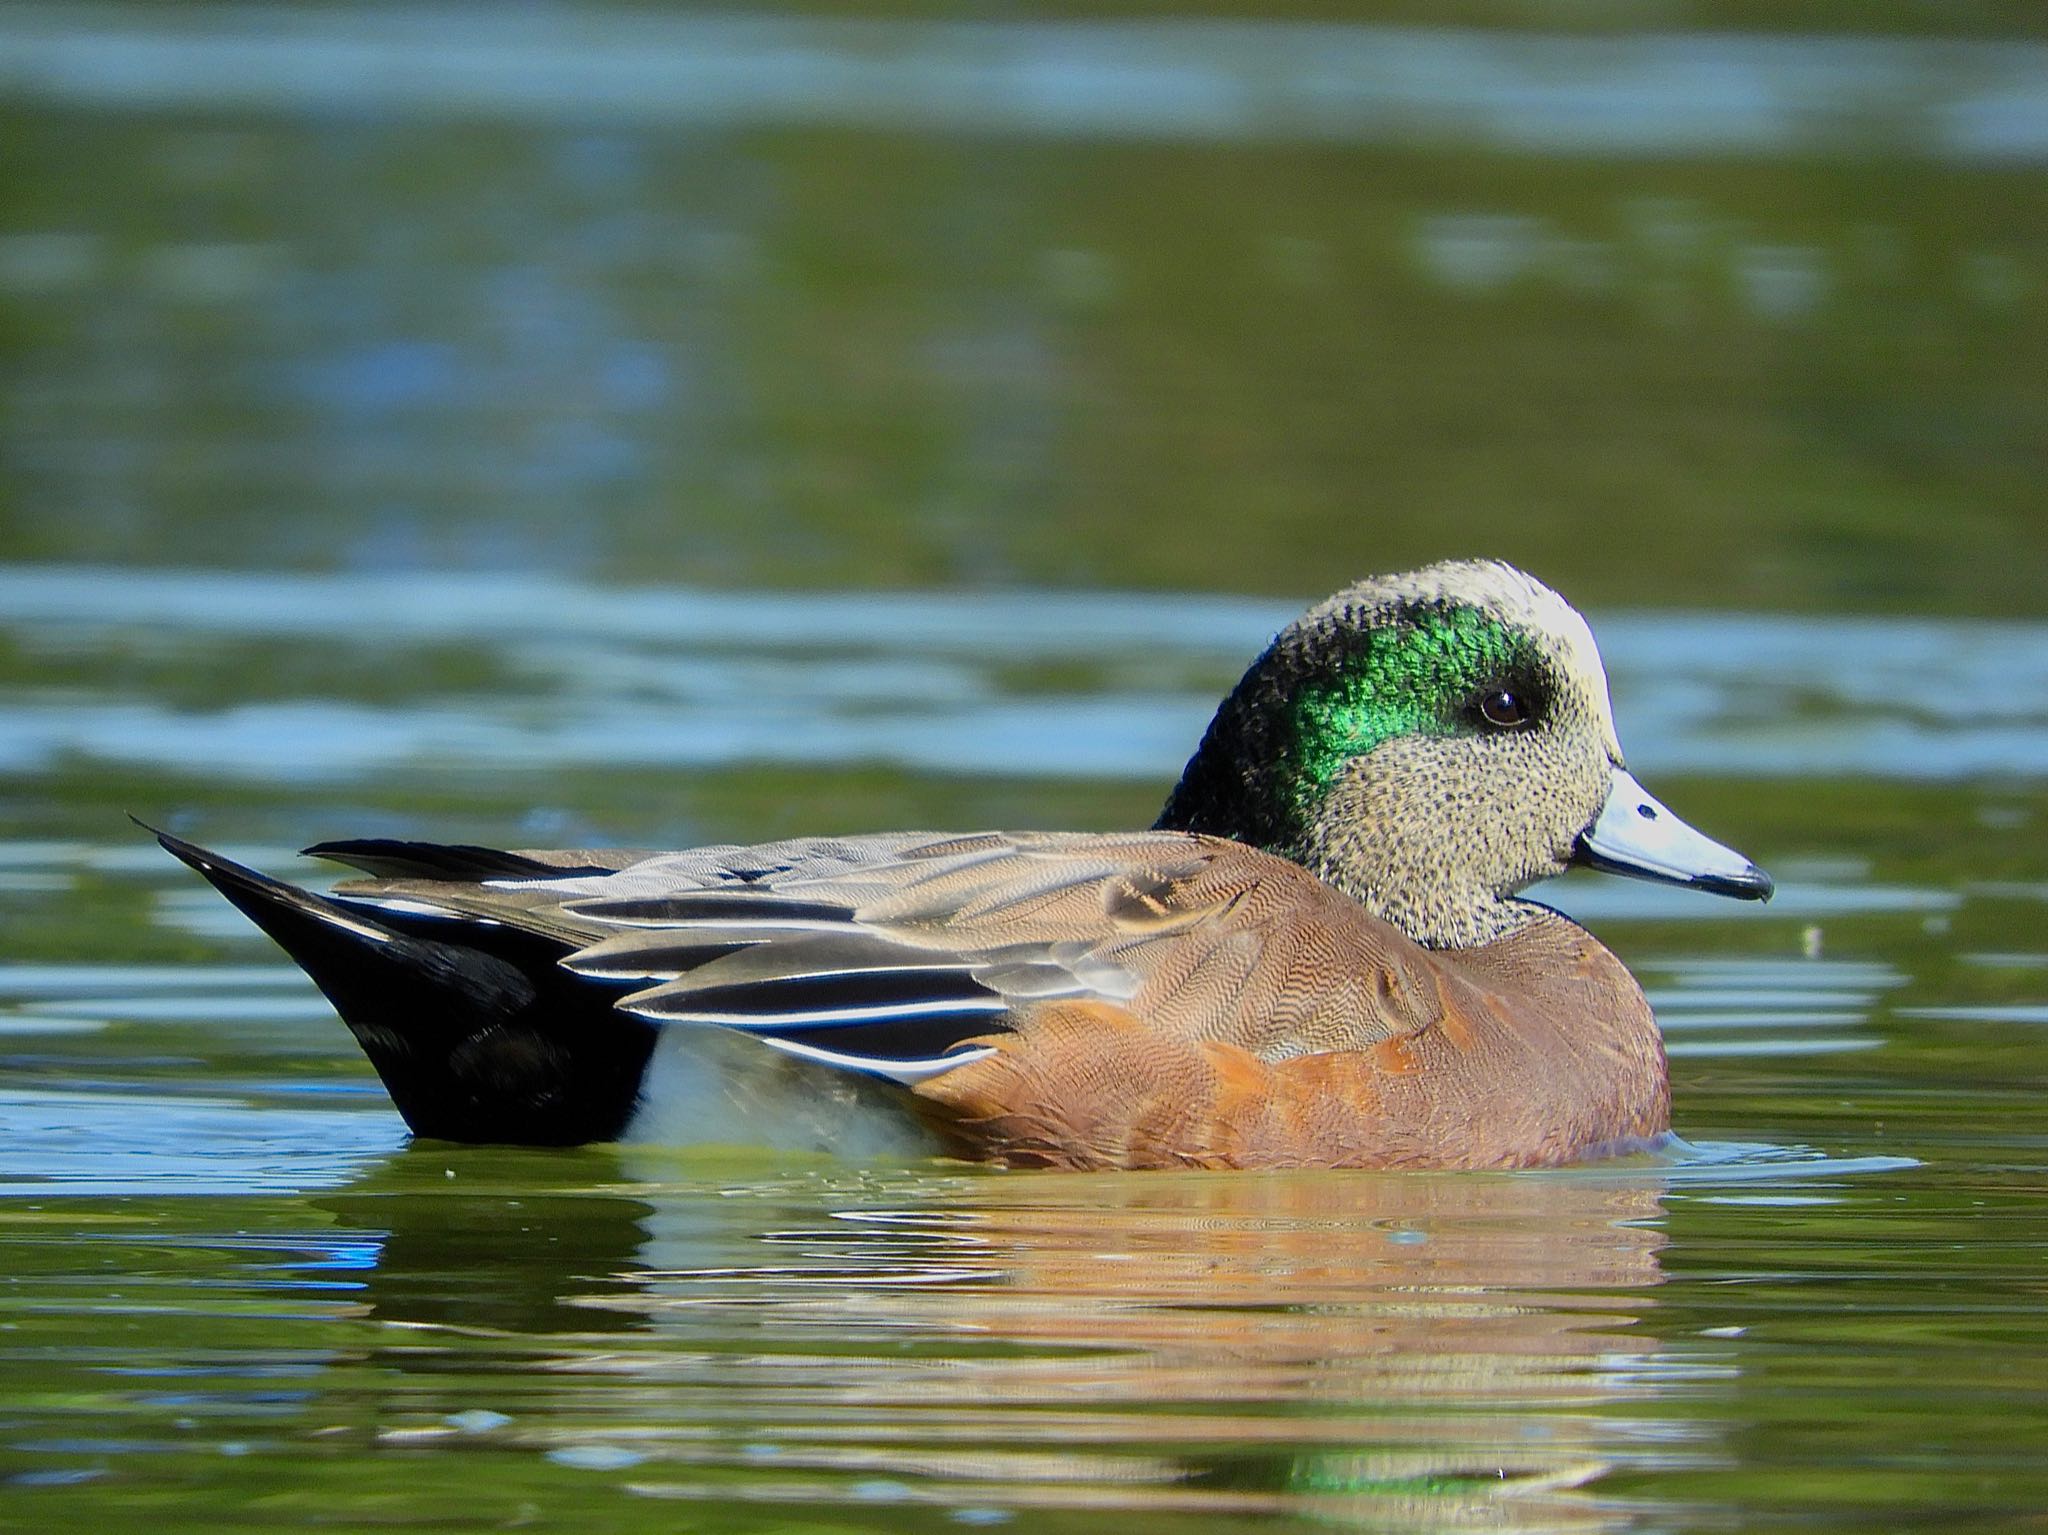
<point>1527,1052</point>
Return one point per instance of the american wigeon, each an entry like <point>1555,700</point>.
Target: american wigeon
<point>1316,957</point>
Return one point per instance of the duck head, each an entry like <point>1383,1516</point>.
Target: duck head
<point>1432,743</point>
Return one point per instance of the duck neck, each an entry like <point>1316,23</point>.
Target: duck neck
<point>1243,782</point>
<point>1430,905</point>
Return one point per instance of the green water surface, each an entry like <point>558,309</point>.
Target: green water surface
<point>425,448</point>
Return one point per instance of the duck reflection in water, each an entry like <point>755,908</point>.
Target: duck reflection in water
<point>1421,1349</point>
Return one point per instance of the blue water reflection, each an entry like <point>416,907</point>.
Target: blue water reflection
<point>598,676</point>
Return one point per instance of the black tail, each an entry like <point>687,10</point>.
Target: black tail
<point>478,1034</point>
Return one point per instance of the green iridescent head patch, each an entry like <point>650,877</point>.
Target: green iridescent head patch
<point>1329,690</point>
<point>1416,677</point>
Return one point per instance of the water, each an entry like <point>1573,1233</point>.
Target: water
<point>414,428</point>
<point>232,1285</point>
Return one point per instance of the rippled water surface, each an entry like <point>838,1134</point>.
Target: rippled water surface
<point>609,422</point>
<point>234,1294</point>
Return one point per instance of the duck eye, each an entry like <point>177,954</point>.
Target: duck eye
<point>1505,709</point>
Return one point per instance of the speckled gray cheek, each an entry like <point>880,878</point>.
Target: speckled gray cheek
<point>1436,834</point>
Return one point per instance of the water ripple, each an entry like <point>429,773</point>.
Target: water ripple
<point>608,676</point>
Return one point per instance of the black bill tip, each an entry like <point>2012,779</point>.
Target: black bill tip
<point>1752,884</point>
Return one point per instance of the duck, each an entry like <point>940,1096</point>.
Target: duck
<point>1319,955</point>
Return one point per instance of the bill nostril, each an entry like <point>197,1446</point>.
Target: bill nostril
<point>1647,812</point>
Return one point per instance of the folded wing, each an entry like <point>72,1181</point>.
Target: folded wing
<point>907,955</point>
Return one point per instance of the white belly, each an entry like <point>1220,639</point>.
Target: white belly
<point>707,1085</point>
